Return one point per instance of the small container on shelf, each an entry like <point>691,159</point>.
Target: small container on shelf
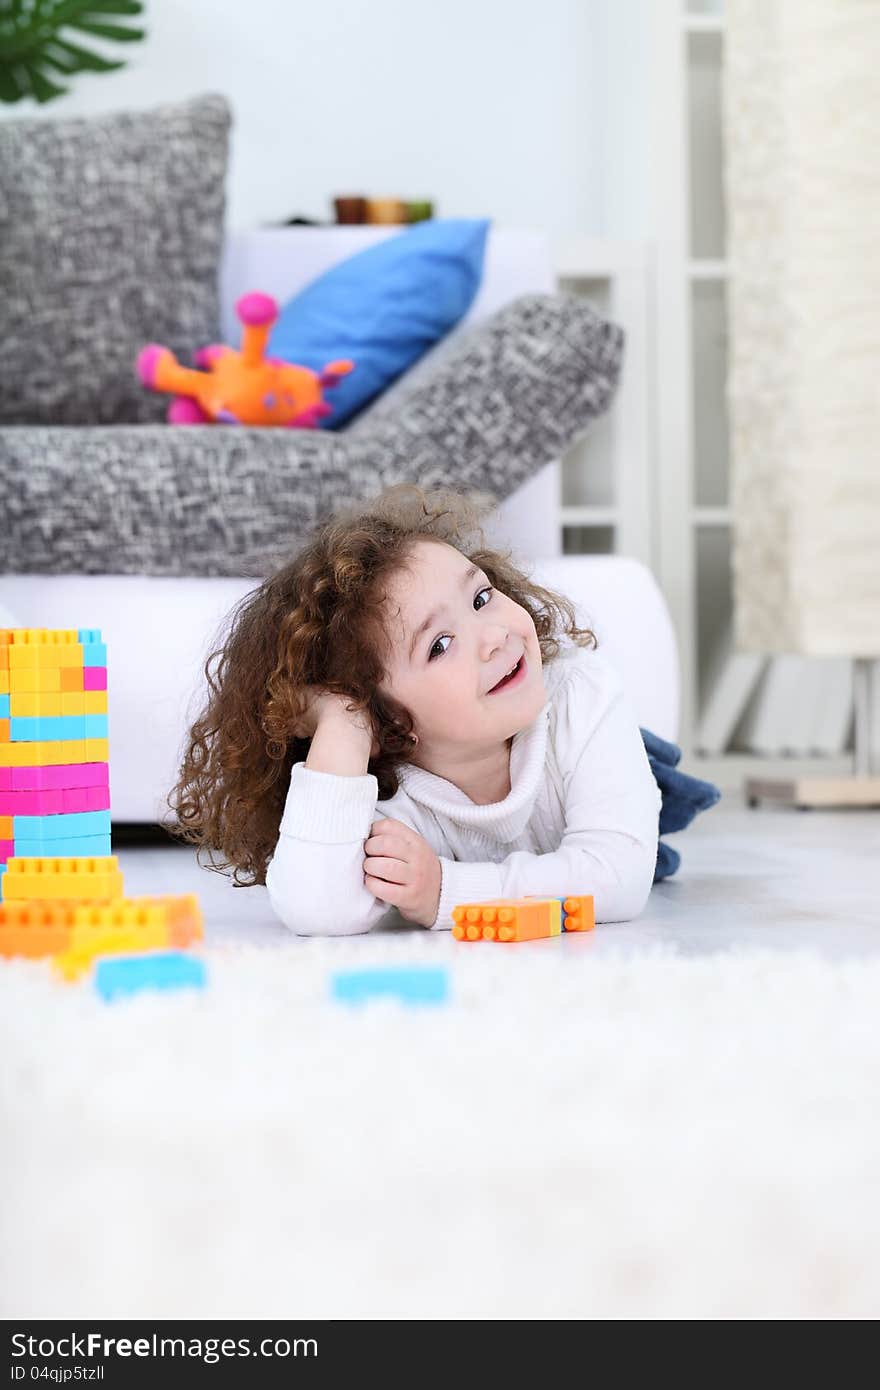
<point>350,210</point>
<point>387,211</point>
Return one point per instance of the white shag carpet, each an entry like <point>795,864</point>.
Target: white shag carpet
<point>572,1136</point>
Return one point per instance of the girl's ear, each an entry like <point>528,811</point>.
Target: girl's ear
<point>413,738</point>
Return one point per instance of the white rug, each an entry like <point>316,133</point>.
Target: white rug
<point>573,1136</point>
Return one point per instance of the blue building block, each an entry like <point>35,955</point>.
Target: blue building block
<point>4,706</point>
<point>119,976</point>
<point>67,825</point>
<point>88,635</point>
<point>34,728</point>
<point>414,984</point>
<point>82,847</point>
<point>94,654</point>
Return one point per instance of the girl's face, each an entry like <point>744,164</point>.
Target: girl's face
<point>455,639</point>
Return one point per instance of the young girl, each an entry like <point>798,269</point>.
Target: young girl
<point>400,718</point>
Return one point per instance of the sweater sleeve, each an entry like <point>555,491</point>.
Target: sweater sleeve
<point>612,808</point>
<point>315,879</point>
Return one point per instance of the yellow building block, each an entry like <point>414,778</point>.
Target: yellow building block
<point>30,703</point>
<point>27,878</point>
<point>4,682</point>
<point>96,750</point>
<point>34,678</point>
<point>43,647</point>
<point>50,752</point>
<point>109,941</point>
<point>508,920</point>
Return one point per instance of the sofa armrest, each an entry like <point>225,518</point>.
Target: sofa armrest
<point>513,395</point>
<point>214,500</point>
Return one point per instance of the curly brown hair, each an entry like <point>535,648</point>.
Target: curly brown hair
<point>320,621</point>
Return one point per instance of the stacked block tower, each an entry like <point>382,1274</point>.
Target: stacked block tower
<point>54,762</point>
<point>61,890</point>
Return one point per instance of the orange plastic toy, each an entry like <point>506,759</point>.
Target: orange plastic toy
<point>246,387</point>
<point>36,928</point>
<point>522,919</point>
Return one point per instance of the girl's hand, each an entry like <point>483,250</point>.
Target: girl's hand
<point>403,870</point>
<point>325,707</point>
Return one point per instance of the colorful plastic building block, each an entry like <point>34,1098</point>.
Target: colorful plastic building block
<point>580,913</point>
<point>60,878</point>
<point>76,847</point>
<point>34,929</point>
<point>408,984</point>
<point>62,827</point>
<point>507,920</point>
<point>119,976</point>
<point>522,919</point>
<point>54,778</point>
<point>86,929</point>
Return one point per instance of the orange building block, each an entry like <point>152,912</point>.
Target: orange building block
<point>580,913</point>
<point>34,929</point>
<point>484,921</point>
<point>57,879</point>
<point>86,929</point>
<point>508,920</point>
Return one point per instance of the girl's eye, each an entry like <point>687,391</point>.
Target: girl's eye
<point>434,652</point>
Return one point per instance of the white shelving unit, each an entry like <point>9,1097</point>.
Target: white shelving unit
<point>606,502</point>
<point>652,479</point>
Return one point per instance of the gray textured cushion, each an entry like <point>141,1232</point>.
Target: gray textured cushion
<point>110,237</point>
<point>219,500</point>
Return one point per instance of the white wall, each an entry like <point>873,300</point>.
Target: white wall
<point>489,107</point>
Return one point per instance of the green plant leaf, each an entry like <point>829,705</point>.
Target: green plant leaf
<point>106,31</point>
<point>10,91</point>
<point>32,43</point>
<point>69,57</point>
<point>130,7</point>
<point>42,88</point>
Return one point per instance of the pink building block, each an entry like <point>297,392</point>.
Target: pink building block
<point>94,678</point>
<point>84,799</point>
<point>7,850</point>
<point>40,803</point>
<point>58,777</point>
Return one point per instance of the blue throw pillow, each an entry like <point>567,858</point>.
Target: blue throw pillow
<point>383,308</point>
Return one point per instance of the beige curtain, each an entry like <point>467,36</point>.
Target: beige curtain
<point>802,138</point>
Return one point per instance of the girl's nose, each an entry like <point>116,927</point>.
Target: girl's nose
<point>493,638</point>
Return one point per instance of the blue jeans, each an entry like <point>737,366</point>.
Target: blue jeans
<point>683,797</point>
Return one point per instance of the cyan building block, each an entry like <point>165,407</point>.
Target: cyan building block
<point>94,654</point>
<point>118,976</point>
<point>51,728</point>
<point>4,706</point>
<point>81,847</point>
<point>87,635</point>
<point>417,984</point>
<point>46,728</point>
<point>65,826</point>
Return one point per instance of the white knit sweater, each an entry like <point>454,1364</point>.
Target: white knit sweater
<point>581,817</point>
